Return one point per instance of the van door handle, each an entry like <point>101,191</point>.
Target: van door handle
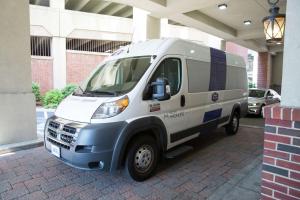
<point>182,100</point>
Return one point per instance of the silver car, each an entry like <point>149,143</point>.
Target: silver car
<point>258,98</point>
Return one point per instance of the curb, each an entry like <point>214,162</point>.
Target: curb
<point>20,146</point>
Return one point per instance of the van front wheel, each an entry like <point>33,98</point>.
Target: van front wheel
<point>233,126</point>
<point>142,158</point>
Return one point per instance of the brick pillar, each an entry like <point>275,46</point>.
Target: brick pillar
<point>264,70</point>
<point>281,161</point>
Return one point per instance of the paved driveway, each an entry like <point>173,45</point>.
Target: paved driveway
<point>219,167</point>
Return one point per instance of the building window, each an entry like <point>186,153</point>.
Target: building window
<point>101,46</point>
<point>40,46</point>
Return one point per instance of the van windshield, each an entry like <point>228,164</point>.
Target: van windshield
<point>118,76</point>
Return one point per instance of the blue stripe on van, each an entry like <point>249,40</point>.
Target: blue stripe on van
<point>217,70</point>
<point>212,115</point>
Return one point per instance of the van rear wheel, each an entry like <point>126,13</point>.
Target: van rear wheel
<point>142,158</point>
<point>233,126</point>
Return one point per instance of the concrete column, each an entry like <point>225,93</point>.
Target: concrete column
<point>59,52</point>
<point>17,104</point>
<point>59,62</point>
<point>291,61</point>
<point>164,28</point>
<point>144,26</point>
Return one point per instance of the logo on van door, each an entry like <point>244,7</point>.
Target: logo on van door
<point>154,107</point>
<point>215,97</point>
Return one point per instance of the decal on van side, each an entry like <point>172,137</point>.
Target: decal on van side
<point>217,70</point>
<point>212,115</point>
<point>173,115</point>
<point>154,107</point>
<point>215,97</point>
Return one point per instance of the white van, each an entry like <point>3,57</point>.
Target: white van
<point>144,101</point>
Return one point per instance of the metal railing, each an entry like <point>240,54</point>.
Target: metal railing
<point>40,46</point>
<point>101,46</point>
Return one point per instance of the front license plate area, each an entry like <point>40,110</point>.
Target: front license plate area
<point>55,150</point>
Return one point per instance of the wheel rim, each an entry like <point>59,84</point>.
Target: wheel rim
<point>235,123</point>
<point>143,158</point>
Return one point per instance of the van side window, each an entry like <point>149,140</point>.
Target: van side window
<point>170,68</point>
<point>198,75</point>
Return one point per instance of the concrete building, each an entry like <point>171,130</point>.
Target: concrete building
<point>70,39</point>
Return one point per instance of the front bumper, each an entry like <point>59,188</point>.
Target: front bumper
<point>256,110</point>
<point>84,146</point>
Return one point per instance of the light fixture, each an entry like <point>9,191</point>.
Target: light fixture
<point>247,22</point>
<point>274,24</point>
<point>222,6</point>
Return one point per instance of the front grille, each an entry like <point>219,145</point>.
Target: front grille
<point>61,135</point>
<point>66,138</point>
<point>52,133</point>
<point>54,124</point>
<point>69,129</point>
<point>58,144</point>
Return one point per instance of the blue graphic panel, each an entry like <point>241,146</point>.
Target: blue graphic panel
<point>217,70</point>
<point>212,115</point>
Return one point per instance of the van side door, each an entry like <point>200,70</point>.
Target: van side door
<point>170,111</point>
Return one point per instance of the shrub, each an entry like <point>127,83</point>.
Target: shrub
<point>52,98</point>
<point>69,89</point>
<point>251,85</point>
<point>36,91</point>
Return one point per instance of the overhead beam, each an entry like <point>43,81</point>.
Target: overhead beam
<point>161,2</point>
<point>115,9</point>
<point>80,4</point>
<point>100,7</point>
<point>250,34</point>
<point>197,15</point>
<point>127,13</point>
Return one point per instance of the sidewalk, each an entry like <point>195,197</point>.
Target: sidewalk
<point>219,167</point>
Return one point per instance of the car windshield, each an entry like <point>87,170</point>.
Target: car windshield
<point>118,76</point>
<point>256,93</point>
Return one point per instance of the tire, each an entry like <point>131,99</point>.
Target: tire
<point>233,126</point>
<point>142,158</point>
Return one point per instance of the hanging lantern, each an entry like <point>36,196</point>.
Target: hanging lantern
<point>274,24</point>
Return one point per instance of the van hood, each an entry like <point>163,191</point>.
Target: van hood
<point>78,108</point>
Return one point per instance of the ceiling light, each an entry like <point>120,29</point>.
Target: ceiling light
<point>222,6</point>
<point>274,25</point>
<point>247,22</point>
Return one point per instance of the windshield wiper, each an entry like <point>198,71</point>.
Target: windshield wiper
<point>104,92</point>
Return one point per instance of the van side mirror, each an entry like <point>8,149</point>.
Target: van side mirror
<point>161,89</point>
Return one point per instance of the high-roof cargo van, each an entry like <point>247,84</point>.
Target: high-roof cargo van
<point>143,102</point>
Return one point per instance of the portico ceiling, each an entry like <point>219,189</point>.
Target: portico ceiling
<point>200,14</point>
<point>205,16</point>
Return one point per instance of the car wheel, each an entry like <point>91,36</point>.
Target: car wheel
<point>233,126</point>
<point>142,158</point>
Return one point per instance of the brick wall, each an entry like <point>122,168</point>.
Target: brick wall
<point>262,70</point>
<point>42,72</point>
<point>80,65</point>
<point>281,159</point>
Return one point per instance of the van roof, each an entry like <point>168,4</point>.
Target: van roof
<point>173,46</point>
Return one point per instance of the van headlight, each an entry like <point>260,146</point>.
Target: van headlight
<point>110,109</point>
